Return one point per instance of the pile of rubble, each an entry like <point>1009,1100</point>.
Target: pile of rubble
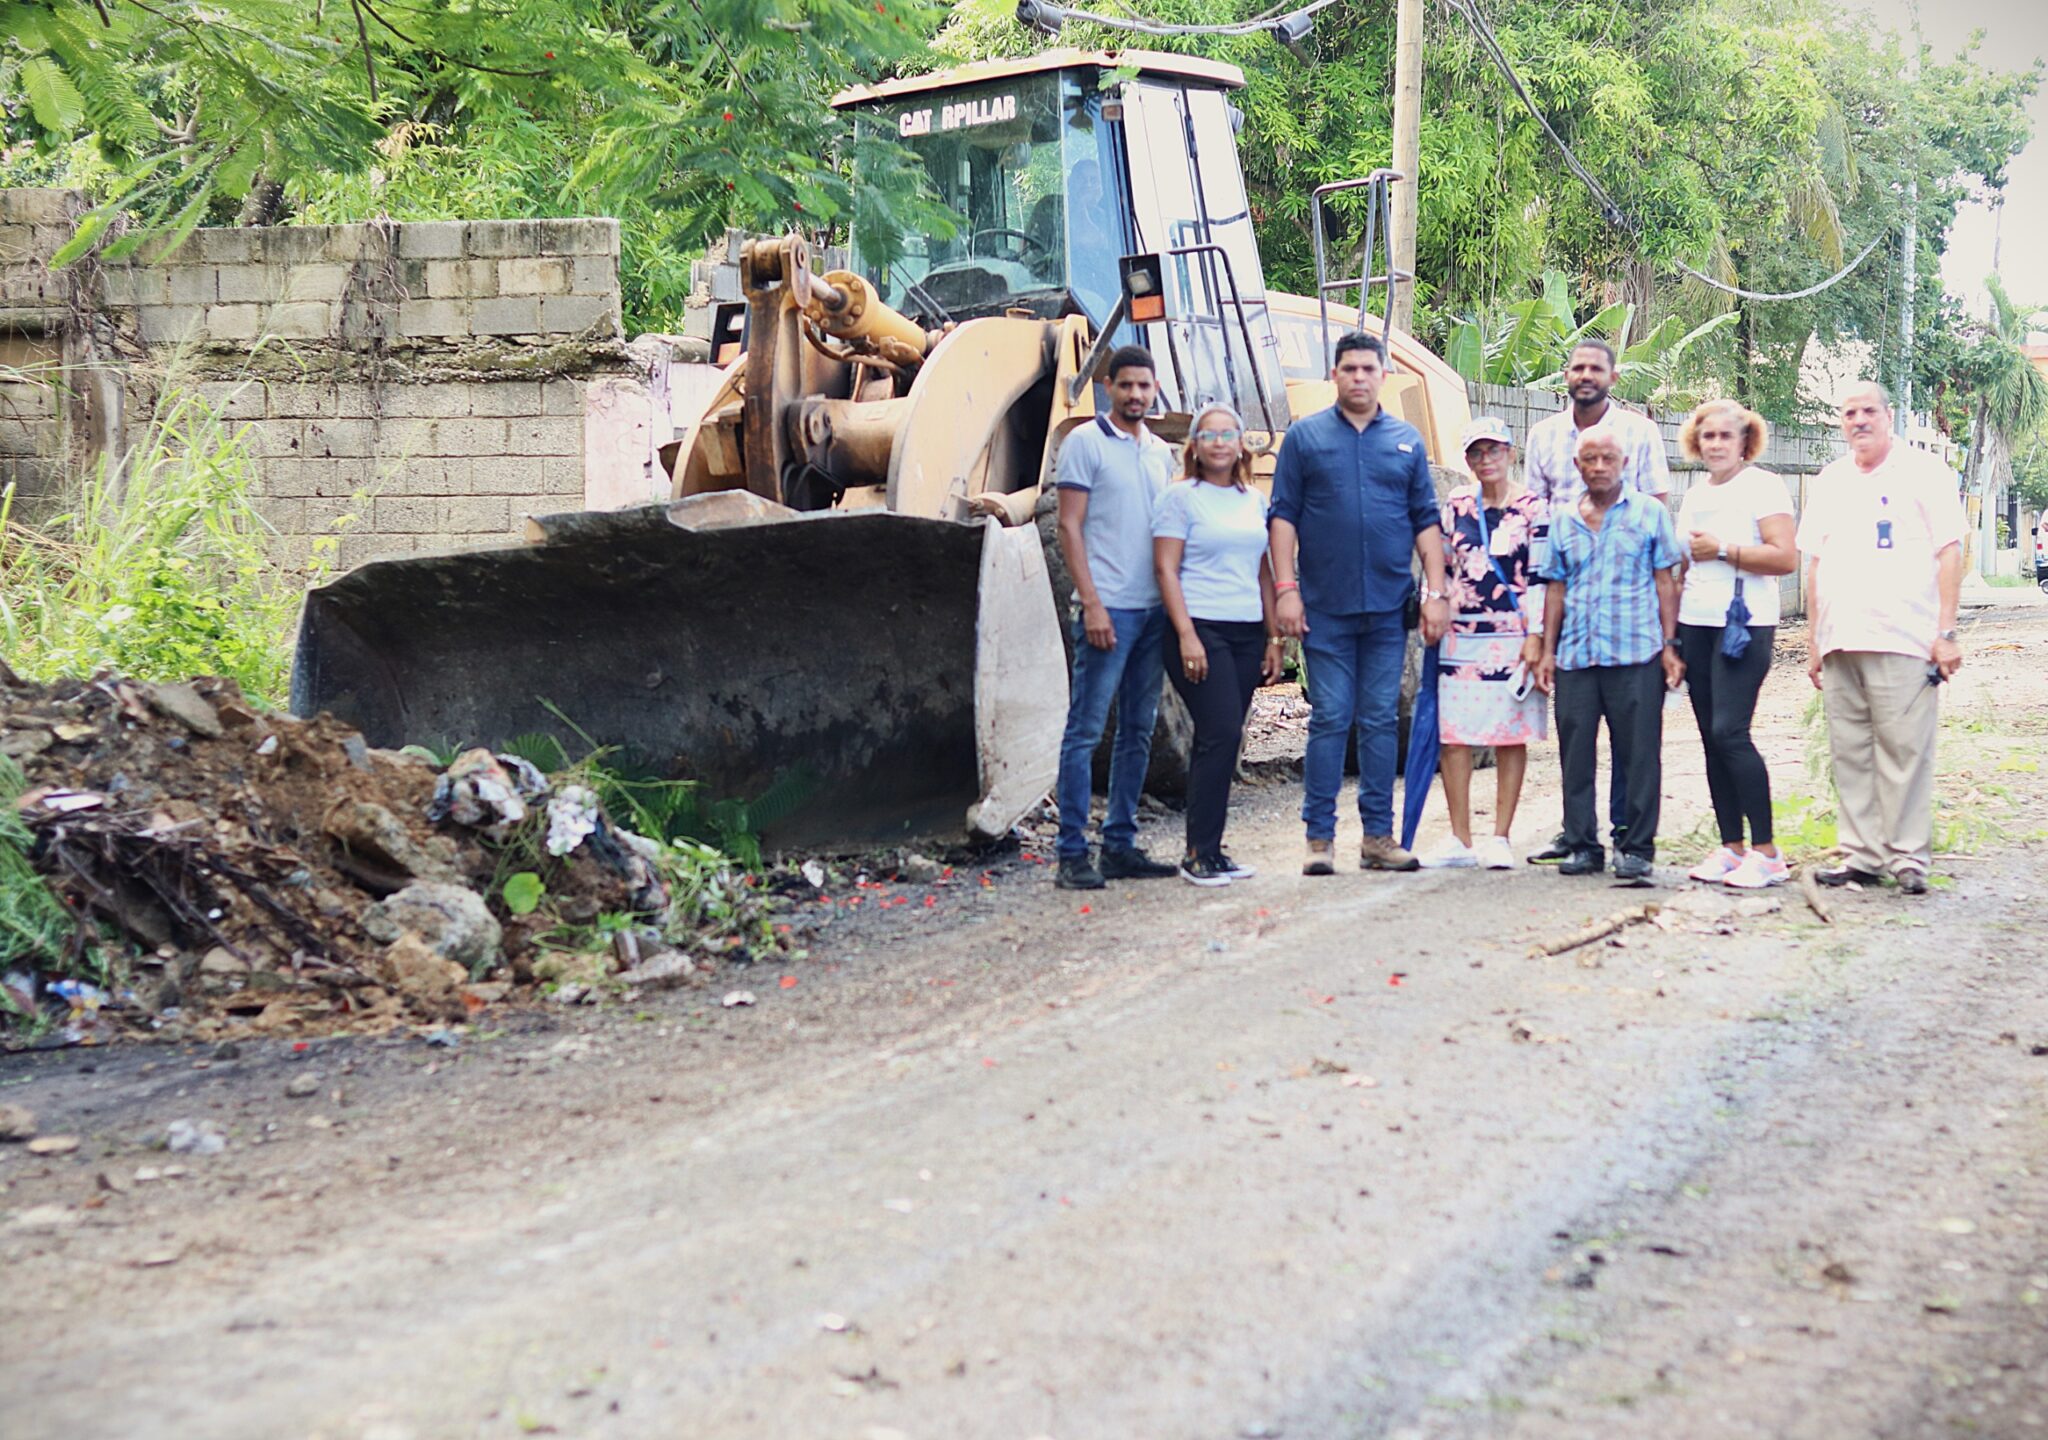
<point>253,867</point>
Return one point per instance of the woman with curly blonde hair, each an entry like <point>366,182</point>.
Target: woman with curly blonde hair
<point>1736,527</point>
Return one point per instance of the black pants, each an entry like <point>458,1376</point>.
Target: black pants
<point>1630,698</point>
<point>1218,705</point>
<point>1724,701</point>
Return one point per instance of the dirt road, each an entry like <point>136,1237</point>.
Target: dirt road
<point>1302,1158</point>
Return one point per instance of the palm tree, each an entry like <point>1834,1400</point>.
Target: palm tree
<point>2011,400</point>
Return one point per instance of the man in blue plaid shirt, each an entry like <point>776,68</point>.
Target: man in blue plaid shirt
<point>1610,651</point>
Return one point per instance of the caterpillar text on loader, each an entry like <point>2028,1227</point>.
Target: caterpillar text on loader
<point>844,617</point>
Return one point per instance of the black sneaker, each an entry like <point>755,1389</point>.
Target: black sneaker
<point>1232,868</point>
<point>1618,840</point>
<point>1075,873</point>
<point>1552,853</point>
<point>1634,870</point>
<point>1837,876</point>
<point>1204,870</point>
<point>1132,864</point>
<point>1583,862</point>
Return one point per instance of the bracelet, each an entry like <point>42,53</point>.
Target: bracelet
<point>1276,639</point>
<point>1280,585</point>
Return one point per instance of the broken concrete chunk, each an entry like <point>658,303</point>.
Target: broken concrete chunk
<point>17,1123</point>
<point>370,832</point>
<point>182,704</point>
<point>455,922</point>
<point>661,971</point>
<point>421,972</point>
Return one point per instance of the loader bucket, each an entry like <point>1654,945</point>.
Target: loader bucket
<point>856,678</point>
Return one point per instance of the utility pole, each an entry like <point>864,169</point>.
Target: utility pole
<point>1909,244</point>
<point>1407,158</point>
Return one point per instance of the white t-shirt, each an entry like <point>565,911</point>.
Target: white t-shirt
<point>1875,536</point>
<point>1224,529</point>
<point>1731,512</point>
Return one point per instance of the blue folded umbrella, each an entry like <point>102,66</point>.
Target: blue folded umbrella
<point>1419,774</point>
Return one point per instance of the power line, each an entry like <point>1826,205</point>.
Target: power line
<point>1619,218</point>
<point>1044,13</point>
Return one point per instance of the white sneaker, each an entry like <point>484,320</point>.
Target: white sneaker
<point>1717,867</point>
<point>1450,853</point>
<point>1758,871</point>
<point>1494,853</point>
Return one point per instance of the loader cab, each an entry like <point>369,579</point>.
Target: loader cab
<point>1045,172</point>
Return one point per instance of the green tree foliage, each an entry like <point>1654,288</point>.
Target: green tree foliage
<point>1763,142</point>
<point>679,116</point>
<point>1536,337</point>
<point>2008,394</point>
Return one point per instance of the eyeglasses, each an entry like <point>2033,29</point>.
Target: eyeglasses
<point>1218,434</point>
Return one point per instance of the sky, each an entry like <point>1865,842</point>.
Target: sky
<point>2016,32</point>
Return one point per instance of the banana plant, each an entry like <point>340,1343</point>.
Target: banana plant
<point>1528,342</point>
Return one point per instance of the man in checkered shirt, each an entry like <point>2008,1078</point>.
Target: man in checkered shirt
<point>1550,461</point>
<point>1610,651</point>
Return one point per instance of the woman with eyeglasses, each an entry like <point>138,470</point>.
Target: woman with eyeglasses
<point>1209,547</point>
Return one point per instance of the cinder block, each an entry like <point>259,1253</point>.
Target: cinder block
<point>284,514</point>
<point>235,399</point>
<point>519,316</point>
<point>575,314</point>
<point>595,275</point>
<point>249,284</point>
<point>431,240</point>
<point>234,322</point>
<point>562,397</point>
<point>433,400</point>
<point>299,400</point>
<point>431,475</point>
<point>223,246</point>
<point>276,439</point>
<point>495,239</point>
<point>37,205</point>
<point>291,479</point>
<point>32,286</point>
<point>404,439</point>
<point>434,317</point>
<point>301,320</point>
<point>564,476</point>
<point>354,401</point>
<point>464,278</point>
<point>135,285</point>
<point>170,324</point>
<point>511,475</point>
<point>551,435</point>
<point>475,514</point>
<point>196,285</point>
<point>533,275</point>
<point>584,236</point>
<point>316,282</point>
<point>359,547</point>
<point>505,397</point>
<point>340,439</point>
<point>404,514</point>
<point>469,438</point>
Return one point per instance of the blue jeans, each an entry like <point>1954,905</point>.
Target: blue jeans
<point>1130,673</point>
<point>1354,679</point>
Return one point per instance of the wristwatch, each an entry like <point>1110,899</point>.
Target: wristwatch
<point>1429,594</point>
<point>1672,644</point>
<point>1946,635</point>
<point>1722,553</point>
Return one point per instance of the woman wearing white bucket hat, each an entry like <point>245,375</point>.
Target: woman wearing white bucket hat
<point>1484,693</point>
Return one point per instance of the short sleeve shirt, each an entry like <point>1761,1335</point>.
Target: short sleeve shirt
<point>1610,578</point>
<point>1550,461</point>
<point>1733,513</point>
<point>1124,476</point>
<point>1357,499</point>
<point>1874,537</point>
<point>1224,530</point>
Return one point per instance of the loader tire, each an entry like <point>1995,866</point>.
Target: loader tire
<point>1173,734</point>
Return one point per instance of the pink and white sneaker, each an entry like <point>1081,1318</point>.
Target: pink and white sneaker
<point>1758,871</point>
<point>1717,867</point>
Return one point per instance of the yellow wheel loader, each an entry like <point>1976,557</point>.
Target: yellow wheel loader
<point>845,617</point>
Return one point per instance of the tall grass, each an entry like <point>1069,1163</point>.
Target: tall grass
<point>160,569</point>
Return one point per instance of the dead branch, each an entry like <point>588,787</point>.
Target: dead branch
<point>1598,930</point>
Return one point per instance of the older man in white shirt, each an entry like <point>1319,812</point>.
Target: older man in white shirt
<point>1882,532</point>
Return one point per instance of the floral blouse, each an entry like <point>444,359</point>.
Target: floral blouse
<point>1479,602</point>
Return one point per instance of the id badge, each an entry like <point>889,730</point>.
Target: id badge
<point>1500,544</point>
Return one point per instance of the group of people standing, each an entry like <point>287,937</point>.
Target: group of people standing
<point>1574,590</point>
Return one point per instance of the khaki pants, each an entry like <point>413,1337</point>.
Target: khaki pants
<point>1883,718</point>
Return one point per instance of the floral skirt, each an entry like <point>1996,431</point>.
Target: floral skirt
<point>1476,702</point>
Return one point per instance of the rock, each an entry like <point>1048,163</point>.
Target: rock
<point>454,921</point>
<point>220,961</point>
<point>738,998</point>
<point>20,744</point>
<point>182,704</point>
<point>370,833</point>
<point>16,1123</point>
<point>302,1087</point>
<point>421,973</point>
<point>1759,905</point>
<point>662,971</point>
<point>46,1217</point>
<point>570,994</point>
<point>919,869</point>
<point>192,1137</point>
<point>487,992</point>
<point>53,1145</point>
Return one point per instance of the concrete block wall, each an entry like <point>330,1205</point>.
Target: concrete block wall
<point>404,387</point>
<point>33,306</point>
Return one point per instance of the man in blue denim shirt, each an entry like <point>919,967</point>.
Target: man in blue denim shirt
<point>1353,498</point>
<point>1111,474</point>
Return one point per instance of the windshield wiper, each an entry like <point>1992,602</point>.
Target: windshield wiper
<point>912,287</point>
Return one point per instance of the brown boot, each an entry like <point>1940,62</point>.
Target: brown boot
<point>1321,858</point>
<point>1379,852</point>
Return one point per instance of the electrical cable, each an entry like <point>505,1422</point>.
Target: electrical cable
<point>1136,26</point>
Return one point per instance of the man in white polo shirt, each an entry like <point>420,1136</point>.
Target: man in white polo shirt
<point>1550,462</point>
<point>1882,533</point>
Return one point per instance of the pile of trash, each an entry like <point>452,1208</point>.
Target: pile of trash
<point>242,866</point>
